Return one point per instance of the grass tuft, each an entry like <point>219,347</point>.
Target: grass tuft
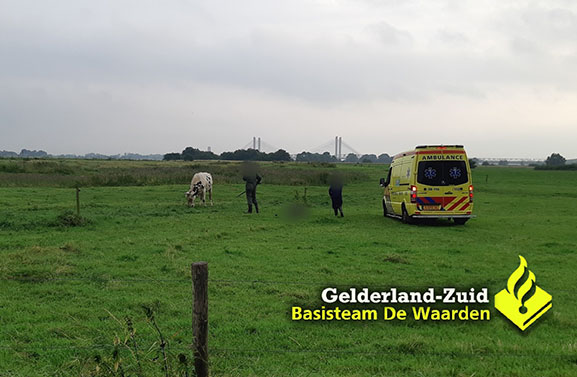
<point>70,219</point>
<point>394,258</point>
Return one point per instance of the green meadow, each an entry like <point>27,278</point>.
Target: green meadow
<point>109,293</point>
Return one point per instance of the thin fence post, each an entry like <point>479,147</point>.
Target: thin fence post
<point>77,201</point>
<point>200,317</point>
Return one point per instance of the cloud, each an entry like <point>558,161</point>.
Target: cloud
<point>452,37</point>
<point>390,35</point>
<point>548,31</point>
<point>393,63</point>
<point>525,46</point>
<point>138,70</point>
<point>557,24</point>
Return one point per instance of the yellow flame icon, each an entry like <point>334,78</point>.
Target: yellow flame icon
<point>521,284</point>
<point>522,301</point>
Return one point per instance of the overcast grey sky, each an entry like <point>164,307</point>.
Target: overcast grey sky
<point>144,76</point>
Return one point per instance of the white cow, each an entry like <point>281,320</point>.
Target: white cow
<point>201,184</point>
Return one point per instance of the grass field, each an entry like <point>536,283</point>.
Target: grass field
<point>67,291</point>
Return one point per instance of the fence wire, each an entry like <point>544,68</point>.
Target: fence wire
<point>324,351</point>
<point>101,280</point>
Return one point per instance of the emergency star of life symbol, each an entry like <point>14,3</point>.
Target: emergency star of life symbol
<point>455,172</point>
<point>523,302</point>
<point>430,173</point>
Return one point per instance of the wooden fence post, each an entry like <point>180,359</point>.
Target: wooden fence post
<point>200,317</point>
<point>77,201</point>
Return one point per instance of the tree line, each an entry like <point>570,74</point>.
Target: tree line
<point>351,157</point>
<point>190,153</point>
<point>556,162</point>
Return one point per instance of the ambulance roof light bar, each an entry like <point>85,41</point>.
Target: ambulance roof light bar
<point>438,146</point>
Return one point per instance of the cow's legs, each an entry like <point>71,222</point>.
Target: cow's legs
<point>210,196</point>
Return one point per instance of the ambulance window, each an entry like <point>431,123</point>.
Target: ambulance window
<point>388,179</point>
<point>442,173</point>
<point>396,172</point>
<point>455,172</point>
<point>430,173</point>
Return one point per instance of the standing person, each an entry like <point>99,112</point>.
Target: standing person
<point>336,193</point>
<point>252,179</point>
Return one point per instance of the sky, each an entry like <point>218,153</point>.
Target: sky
<point>113,76</point>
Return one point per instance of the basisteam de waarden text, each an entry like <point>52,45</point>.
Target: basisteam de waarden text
<point>399,305</point>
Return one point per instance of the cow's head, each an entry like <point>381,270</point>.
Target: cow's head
<point>193,192</point>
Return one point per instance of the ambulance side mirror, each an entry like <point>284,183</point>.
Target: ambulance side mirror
<point>382,182</point>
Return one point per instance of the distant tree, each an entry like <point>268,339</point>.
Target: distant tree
<point>351,157</point>
<point>303,156</point>
<point>244,155</point>
<point>136,156</point>
<point>503,163</point>
<point>485,163</point>
<point>315,157</point>
<point>34,153</point>
<point>280,155</point>
<point>172,157</point>
<point>96,156</point>
<point>555,160</point>
<point>473,163</point>
<point>369,158</point>
<point>326,157</point>
<point>190,153</point>
<point>255,155</point>
<point>8,154</point>
<point>385,158</point>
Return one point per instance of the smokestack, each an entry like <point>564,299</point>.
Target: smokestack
<point>336,146</point>
<point>340,147</point>
<point>259,143</point>
<point>253,142</point>
<point>209,148</point>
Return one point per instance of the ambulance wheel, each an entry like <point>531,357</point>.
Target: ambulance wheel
<point>406,218</point>
<point>384,208</point>
<point>460,220</point>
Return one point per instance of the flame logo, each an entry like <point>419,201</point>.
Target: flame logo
<point>521,284</point>
<point>522,301</point>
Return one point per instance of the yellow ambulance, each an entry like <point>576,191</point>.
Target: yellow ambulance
<point>431,181</point>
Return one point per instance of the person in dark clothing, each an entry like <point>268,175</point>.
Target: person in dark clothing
<point>336,193</point>
<point>252,179</point>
